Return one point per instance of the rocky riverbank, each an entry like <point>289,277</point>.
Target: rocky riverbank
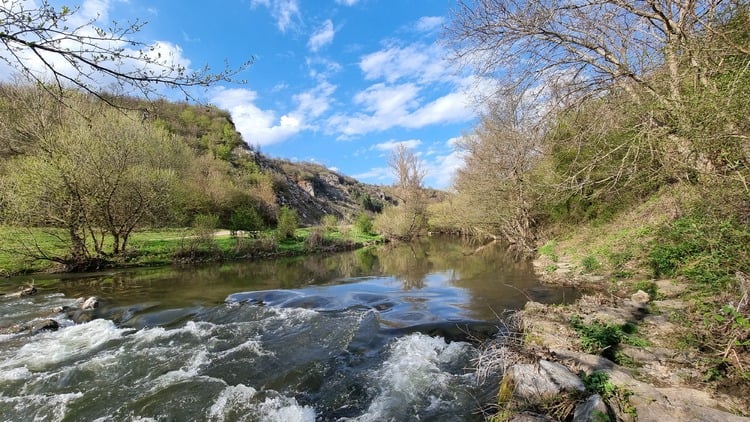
<point>607,357</point>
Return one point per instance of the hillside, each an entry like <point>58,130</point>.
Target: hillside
<point>89,175</point>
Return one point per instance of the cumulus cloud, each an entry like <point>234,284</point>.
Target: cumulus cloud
<point>380,175</point>
<point>322,37</point>
<point>263,127</point>
<point>442,169</point>
<point>347,2</point>
<point>314,102</point>
<point>257,126</point>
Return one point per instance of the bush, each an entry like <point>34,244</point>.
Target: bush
<point>329,222</point>
<point>363,224</point>
<point>205,226</point>
<point>245,218</point>
<point>287,224</point>
<point>315,240</point>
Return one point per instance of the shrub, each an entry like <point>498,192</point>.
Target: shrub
<point>329,222</point>
<point>287,224</point>
<point>363,224</point>
<point>205,226</point>
<point>245,218</point>
<point>315,240</point>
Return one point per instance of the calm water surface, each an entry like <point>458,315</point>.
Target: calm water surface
<point>373,335</point>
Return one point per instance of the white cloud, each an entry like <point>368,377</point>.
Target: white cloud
<point>322,37</point>
<point>257,126</point>
<point>450,108</point>
<point>392,144</point>
<point>442,170</point>
<point>380,175</point>
<point>315,102</point>
<point>429,23</point>
<point>387,106</point>
<point>347,2</point>
<point>419,62</point>
<point>286,12</point>
<point>321,68</point>
<point>262,127</point>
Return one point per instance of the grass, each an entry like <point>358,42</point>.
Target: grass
<point>600,338</point>
<point>165,246</point>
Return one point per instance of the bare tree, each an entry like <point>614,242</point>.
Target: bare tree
<point>495,195</point>
<point>409,218</point>
<point>59,48</point>
<point>674,61</point>
<point>589,46</point>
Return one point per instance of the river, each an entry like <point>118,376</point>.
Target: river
<point>379,334</point>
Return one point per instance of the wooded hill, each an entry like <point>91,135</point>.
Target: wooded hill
<point>100,172</point>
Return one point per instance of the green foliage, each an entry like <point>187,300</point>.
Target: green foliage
<point>363,224</point>
<point>598,382</point>
<point>705,250</point>
<point>287,224</point>
<point>329,222</point>
<point>368,203</point>
<point>246,218</point>
<point>590,264</point>
<point>649,287</point>
<point>549,250</point>
<point>604,339</point>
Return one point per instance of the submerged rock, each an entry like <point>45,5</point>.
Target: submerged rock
<point>45,325</point>
<point>29,291</point>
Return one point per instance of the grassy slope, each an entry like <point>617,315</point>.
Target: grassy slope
<point>700,318</point>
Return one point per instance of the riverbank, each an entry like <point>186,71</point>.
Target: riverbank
<point>28,251</point>
<point>634,346</point>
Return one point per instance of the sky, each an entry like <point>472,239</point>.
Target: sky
<point>336,82</point>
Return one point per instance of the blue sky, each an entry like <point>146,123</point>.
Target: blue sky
<point>337,82</point>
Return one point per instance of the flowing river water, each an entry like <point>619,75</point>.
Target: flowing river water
<point>379,334</point>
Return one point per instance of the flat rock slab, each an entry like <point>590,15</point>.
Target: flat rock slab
<point>539,382</point>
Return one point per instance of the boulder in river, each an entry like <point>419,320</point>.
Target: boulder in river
<point>90,303</point>
<point>45,325</point>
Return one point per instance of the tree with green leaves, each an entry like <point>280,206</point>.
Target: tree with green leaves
<point>99,179</point>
